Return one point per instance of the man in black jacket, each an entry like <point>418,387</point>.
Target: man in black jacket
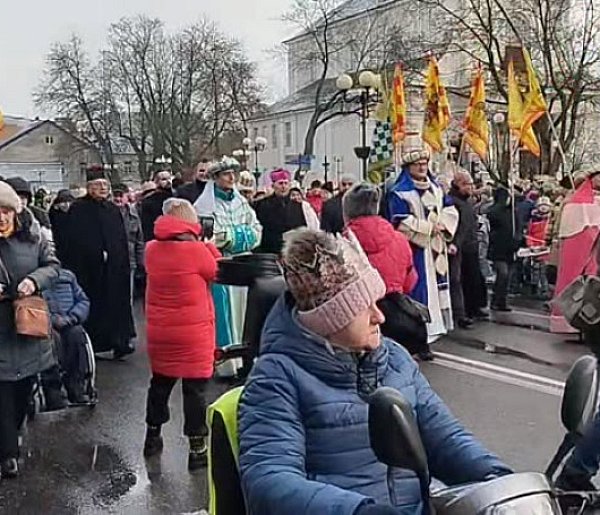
<point>467,286</point>
<point>194,189</point>
<point>278,214</point>
<point>332,216</point>
<point>504,241</point>
<point>151,206</point>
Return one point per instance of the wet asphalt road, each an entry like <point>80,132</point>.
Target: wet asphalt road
<point>83,461</point>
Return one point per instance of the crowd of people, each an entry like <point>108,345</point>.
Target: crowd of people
<point>408,260</point>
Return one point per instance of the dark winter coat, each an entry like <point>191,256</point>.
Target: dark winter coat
<point>67,300</point>
<point>277,215</point>
<point>503,240</point>
<point>191,191</point>
<point>59,221</point>
<point>179,306</point>
<point>465,237</point>
<point>303,427</point>
<point>135,237</point>
<point>151,209</point>
<point>332,216</point>
<point>24,255</point>
<point>98,254</point>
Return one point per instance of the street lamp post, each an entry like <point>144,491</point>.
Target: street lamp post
<point>259,145</point>
<point>368,82</point>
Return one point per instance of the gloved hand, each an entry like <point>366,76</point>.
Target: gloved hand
<point>376,509</point>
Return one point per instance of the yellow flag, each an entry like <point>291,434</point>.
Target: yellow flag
<point>535,103</point>
<point>398,110</point>
<point>437,108</point>
<point>516,112</point>
<point>477,132</point>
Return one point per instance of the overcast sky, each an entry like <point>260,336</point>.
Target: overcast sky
<point>29,27</point>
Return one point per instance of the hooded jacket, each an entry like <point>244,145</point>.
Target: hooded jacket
<point>388,251</point>
<point>503,240</point>
<point>179,306</point>
<point>303,427</point>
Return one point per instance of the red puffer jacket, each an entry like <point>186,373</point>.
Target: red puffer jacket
<point>179,307</point>
<point>388,251</point>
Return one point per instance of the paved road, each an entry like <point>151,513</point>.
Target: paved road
<point>82,461</point>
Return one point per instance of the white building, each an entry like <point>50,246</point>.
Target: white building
<point>285,123</point>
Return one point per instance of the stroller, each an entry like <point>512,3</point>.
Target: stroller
<point>87,371</point>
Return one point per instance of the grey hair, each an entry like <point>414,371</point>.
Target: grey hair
<point>361,200</point>
<point>172,202</point>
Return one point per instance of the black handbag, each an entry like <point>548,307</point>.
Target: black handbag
<point>405,321</point>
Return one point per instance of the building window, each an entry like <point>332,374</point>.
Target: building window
<point>264,131</point>
<point>127,167</point>
<point>255,133</point>
<point>274,135</point>
<point>288,134</point>
<point>49,140</point>
<point>82,168</point>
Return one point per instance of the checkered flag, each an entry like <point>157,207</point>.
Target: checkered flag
<point>382,150</point>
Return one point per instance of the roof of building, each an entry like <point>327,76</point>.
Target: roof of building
<point>15,128</point>
<point>301,100</point>
<point>346,10</point>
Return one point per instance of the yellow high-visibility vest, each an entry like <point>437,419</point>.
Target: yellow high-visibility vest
<point>227,407</point>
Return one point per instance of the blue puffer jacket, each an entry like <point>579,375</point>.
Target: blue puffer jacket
<point>303,427</point>
<point>67,299</point>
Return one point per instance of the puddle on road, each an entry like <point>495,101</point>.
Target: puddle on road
<point>97,474</point>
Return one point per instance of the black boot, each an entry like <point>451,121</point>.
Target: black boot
<point>198,457</point>
<point>9,468</point>
<point>75,392</point>
<point>154,442</point>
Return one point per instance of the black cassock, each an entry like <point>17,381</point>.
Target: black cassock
<point>98,254</point>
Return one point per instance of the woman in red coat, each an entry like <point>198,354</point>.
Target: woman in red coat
<point>180,325</point>
<point>390,253</point>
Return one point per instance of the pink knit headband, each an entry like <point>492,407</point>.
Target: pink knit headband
<point>280,175</point>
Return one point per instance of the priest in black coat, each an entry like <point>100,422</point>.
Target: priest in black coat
<point>97,252</point>
<point>278,214</point>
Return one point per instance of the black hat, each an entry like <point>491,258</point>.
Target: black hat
<point>64,196</point>
<point>95,172</point>
<point>20,185</point>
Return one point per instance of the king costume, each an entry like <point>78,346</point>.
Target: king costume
<point>236,231</point>
<point>418,208</point>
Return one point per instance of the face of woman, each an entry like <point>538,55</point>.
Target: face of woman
<point>362,334</point>
<point>7,219</point>
<point>296,196</point>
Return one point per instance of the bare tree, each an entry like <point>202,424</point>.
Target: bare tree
<point>334,37</point>
<point>561,35</point>
<point>74,88</point>
<point>173,94</point>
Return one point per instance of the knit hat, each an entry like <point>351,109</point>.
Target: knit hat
<point>361,200</point>
<point>330,278</point>
<point>225,164</point>
<point>246,182</point>
<point>280,175</point>
<point>64,196</point>
<point>415,155</point>
<point>180,208</point>
<point>9,198</point>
